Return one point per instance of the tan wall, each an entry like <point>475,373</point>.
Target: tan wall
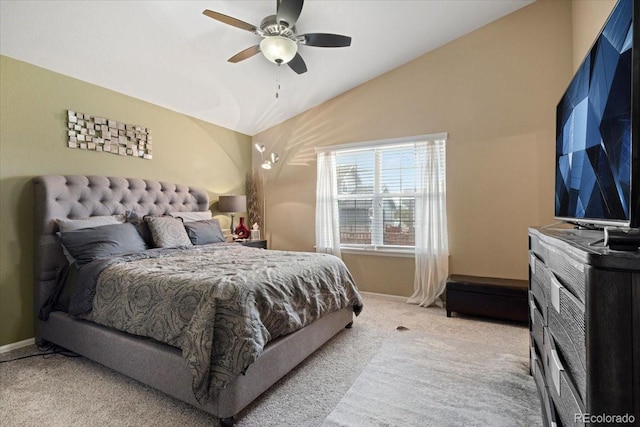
<point>588,18</point>
<point>33,104</point>
<point>495,92</point>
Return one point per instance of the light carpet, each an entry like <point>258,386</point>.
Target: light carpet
<point>59,391</point>
<point>420,379</point>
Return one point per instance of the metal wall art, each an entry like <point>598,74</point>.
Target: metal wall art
<point>109,136</point>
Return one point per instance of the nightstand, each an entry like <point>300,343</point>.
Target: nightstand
<point>262,244</point>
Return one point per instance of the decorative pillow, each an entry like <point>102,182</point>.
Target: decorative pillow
<point>93,221</point>
<point>167,232</point>
<point>88,244</point>
<point>192,216</point>
<point>204,232</point>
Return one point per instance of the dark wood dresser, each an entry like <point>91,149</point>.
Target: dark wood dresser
<point>584,302</point>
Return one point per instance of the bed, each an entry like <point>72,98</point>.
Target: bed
<point>146,358</point>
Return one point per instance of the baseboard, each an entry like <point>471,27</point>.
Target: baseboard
<point>396,297</point>
<point>16,345</point>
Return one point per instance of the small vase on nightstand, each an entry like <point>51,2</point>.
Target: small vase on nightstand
<point>241,230</point>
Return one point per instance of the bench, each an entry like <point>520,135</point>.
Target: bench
<point>488,296</point>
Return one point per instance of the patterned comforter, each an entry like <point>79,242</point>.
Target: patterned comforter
<point>220,304</point>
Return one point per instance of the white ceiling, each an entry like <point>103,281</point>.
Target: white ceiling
<point>170,54</point>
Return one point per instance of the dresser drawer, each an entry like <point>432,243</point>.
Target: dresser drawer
<point>570,272</point>
<point>546,404</point>
<point>537,322</point>
<point>536,280</point>
<point>549,413</point>
<point>552,413</point>
<point>536,247</point>
<point>563,393</point>
<point>572,353</point>
<point>540,280</point>
<point>568,405</point>
<point>537,369</point>
<point>566,322</point>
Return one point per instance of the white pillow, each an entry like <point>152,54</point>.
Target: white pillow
<point>66,224</point>
<point>192,216</point>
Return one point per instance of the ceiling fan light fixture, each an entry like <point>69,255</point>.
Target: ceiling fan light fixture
<point>278,49</point>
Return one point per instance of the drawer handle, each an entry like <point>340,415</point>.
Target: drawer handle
<point>534,358</point>
<point>532,263</point>
<point>532,308</point>
<point>556,367</point>
<point>555,293</point>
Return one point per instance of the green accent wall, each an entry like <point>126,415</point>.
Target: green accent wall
<point>33,141</point>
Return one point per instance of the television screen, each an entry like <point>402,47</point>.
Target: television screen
<point>594,147</point>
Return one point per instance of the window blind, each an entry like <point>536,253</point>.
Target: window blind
<point>377,189</point>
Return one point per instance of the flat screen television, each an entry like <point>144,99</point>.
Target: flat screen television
<point>598,132</point>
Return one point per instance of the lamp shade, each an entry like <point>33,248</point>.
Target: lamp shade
<point>278,49</point>
<point>232,204</point>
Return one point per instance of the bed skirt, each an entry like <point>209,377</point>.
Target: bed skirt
<point>162,366</point>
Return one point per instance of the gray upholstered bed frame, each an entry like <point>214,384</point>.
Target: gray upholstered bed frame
<point>157,365</point>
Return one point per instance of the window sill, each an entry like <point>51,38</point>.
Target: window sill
<point>401,253</point>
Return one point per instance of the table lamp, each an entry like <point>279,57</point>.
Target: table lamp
<point>231,205</point>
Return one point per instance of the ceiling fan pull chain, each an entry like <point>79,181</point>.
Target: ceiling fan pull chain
<point>278,82</point>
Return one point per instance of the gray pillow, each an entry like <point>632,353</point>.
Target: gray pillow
<point>88,244</point>
<point>204,232</point>
<point>167,232</point>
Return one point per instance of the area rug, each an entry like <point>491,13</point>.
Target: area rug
<point>418,379</point>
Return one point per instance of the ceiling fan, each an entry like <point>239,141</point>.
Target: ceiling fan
<point>280,40</point>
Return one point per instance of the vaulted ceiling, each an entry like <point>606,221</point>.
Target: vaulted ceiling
<point>170,54</point>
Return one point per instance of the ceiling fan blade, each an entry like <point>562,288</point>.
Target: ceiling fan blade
<point>326,40</point>
<point>247,53</point>
<point>297,64</point>
<point>289,12</point>
<point>229,20</point>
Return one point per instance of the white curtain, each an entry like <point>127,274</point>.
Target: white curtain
<point>432,246</point>
<point>327,225</point>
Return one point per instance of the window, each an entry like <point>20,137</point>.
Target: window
<point>376,188</point>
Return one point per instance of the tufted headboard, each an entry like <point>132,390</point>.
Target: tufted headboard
<point>76,196</point>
